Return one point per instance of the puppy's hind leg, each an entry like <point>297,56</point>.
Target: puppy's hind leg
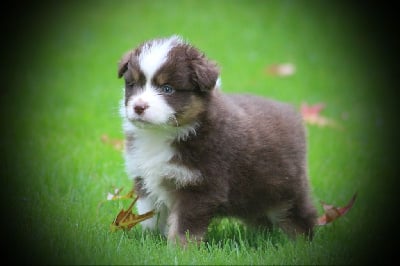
<point>300,220</point>
<point>292,218</point>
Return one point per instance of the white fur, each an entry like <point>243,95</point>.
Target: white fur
<point>144,205</point>
<point>158,112</point>
<point>155,53</point>
<point>149,158</point>
<point>158,221</point>
<point>218,84</point>
<point>154,131</point>
<point>151,58</point>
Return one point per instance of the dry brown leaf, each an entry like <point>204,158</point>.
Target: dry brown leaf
<point>117,144</point>
<point>331,213</point>
<point>116,196</point>
<point>286,69</point>
<point>125,220</point>
<point>312,115</point>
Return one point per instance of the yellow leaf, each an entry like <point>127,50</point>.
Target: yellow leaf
<point>312,115</point>
<point>125,220</point>
<point>117,144</point>
<point>332,212</point>
<point>282,70</point>
<point>116,196</point>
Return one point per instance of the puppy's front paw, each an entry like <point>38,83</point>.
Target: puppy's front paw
<point>174,238</point>
<point>184,240</point>
<point>177,240</point>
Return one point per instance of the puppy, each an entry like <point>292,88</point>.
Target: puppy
<point>196,153</point>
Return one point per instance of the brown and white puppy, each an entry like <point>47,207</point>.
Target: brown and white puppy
<point>196,153</point>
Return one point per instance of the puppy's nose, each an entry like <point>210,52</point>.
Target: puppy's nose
<point>140,106</point>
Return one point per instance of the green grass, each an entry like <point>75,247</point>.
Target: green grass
<point>56,169</point>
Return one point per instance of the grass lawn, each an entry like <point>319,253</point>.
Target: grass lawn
<point>65,95</point>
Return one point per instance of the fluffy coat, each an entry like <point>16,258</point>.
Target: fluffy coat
<point>196,153</point>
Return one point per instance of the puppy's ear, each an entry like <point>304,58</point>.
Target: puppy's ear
<point>123,63</point>
<point>205,73</point>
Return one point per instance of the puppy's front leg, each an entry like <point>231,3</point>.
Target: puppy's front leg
<point>146,204</point>
<point>188,218</point>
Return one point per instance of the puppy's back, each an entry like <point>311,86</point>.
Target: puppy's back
<point>271,122</point>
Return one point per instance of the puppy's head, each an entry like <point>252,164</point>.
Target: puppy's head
<point>167,82</point>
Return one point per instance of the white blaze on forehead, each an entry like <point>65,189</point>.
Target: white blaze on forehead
<point>154,54</point>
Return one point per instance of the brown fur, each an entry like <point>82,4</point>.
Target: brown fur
<point>253,152</point>
<point>250,151</point>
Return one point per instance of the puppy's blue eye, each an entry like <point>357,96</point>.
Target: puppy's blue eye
<point>167,89</point>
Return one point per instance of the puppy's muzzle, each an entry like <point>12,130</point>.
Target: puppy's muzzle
<point>140,106</point>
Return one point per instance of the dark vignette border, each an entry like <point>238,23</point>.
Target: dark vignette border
<point>24,23</point>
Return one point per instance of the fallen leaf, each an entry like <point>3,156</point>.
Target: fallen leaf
<point>286,69</point>
<point>331,213</point>
<point>116,196</point>
<point>125,220</point>
<point>312,115</point>
<point>111,196</point>
<point>117,144</point>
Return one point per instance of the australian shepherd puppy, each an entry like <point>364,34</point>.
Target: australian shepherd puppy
<point>196,153</point>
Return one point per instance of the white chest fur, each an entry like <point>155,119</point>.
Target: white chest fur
<point>149,156</point>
